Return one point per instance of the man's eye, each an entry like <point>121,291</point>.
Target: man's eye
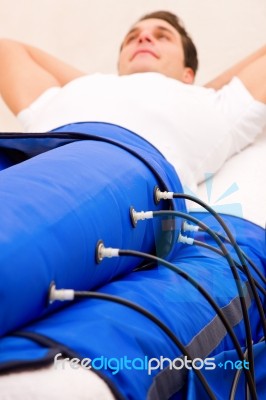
<point>163,36</point>
<point>130,38</point>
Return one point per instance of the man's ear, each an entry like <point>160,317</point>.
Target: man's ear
<point>188,76</point>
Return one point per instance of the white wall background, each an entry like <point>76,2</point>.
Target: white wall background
<point>88,33</point>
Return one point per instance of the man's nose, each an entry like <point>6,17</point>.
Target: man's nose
<point>145,36</point>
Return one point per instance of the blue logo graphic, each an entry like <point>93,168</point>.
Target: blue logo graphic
<point>218,204</point>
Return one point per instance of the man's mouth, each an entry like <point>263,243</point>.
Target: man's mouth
<point>144,51</point>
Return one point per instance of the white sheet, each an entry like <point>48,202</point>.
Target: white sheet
<point>52,383</point>
<point>240,187</point>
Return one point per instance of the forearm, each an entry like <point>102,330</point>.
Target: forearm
<point>225,77</point>
<point>26,72</point>
<point>62,71</point>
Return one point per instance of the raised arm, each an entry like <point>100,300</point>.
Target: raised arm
<point>251,71</point>
<point>26,72</point>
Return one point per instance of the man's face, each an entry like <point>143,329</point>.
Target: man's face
<point>153,45</point>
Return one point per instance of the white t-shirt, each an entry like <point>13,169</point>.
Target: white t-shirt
<point>196,128</point>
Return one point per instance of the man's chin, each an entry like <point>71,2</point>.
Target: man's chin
<point>141,69</point>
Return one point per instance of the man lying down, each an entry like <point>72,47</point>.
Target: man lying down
<point>196,128</point>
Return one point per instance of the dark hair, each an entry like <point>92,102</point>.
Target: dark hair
<point>190,51</point>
